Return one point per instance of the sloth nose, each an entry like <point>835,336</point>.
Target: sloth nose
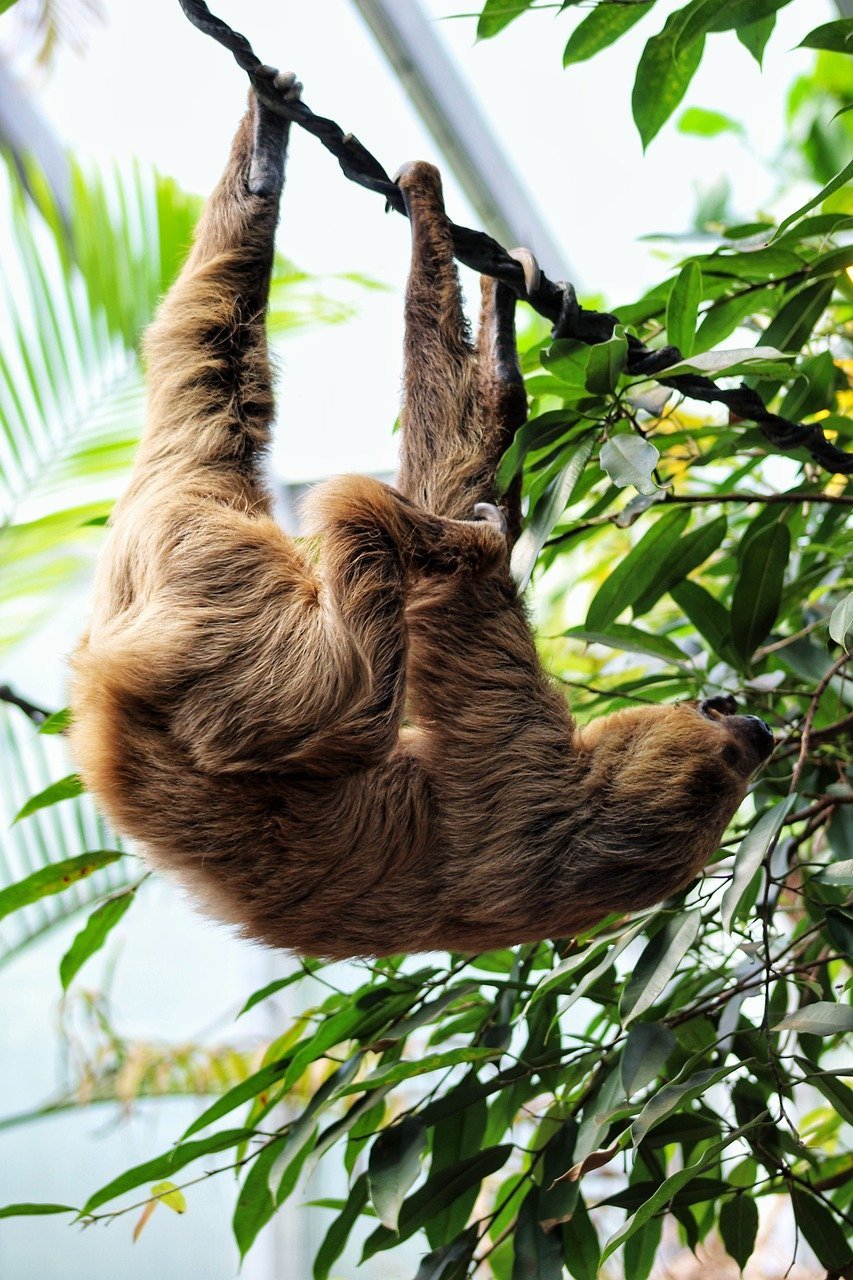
<point>760,734</point>
<point>723,705</point>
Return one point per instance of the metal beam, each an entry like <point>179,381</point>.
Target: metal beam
<point>454,118</point>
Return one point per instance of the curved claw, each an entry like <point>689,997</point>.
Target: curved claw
<point>531,268</point>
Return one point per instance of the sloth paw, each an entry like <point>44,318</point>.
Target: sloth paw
<point>493,515</point>
<point>277,90</point>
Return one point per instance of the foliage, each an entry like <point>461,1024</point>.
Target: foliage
<point>43,26</point>
<point>537,1110</point>
<point>671,57</point>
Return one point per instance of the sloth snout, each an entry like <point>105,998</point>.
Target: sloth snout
<point>760,734</point>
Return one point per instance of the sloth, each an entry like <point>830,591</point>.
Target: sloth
<point>346,745</point>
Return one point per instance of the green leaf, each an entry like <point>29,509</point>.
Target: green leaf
<point>646,1051</point>
<point>558,1195</point>
<point>749,857</point>
<point>836,36</point>
<point>566,360</point>
<point>822,1231</point>
<point>688,554</point>
<point>394,1165</point>
<point>663,75</point>
<point>641,1250</point>
<point>164,1165</point>
<point>837,872</point>
<point>548,510</point>
<point>841,179</point>
<point>255,1205</point>
<point>336,1237</point>
<point>537,1256</point>
<point>636,573</point>
<point>823,1018</point>
<point>338,1029</point>
<point>619,635</point>
<point>497,14</point>
<point>706,124</point>
<point>657,965</point>
<point>630,460</point>
<point>602,27</point>
<point>455,1137</point>
<point>33,1210</point>
<point>301,1137</point>
<point>739,1227</point>
<point>683,308</point>
<point>670,1098</point>
<point>726,314</point>
<point>93,935</point>
<point>704,611</point>
<point>411,1068</point>
<point>667,1190</point>
<point>792,325</point>
<point>451,1261</point>
<point>537,433</point>
<point>64,789</point>
<point>757,590</point>
<point>6,4</point>
<point>54,878</point>
<point>705,16</point>
<point>436,1194</point>
<point>278,984</point>
<point>581,1249</point>
<point>57,723</point>
<point>754,36</point>
<point>841,621</point>
<point>838,1095</point>
<point>606,362</point>
<point>256,1084</point>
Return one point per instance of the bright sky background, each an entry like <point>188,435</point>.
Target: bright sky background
<point>151,86</point>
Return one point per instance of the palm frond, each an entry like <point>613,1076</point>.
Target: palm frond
<point>30,763</point>
<point>44,26</point>
<point>73,304</point>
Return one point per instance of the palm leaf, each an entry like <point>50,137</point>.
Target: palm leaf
<point>73,305</point>
<point>30,763</point>
<point>46,25</point>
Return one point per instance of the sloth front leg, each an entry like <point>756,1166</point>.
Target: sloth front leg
<point>500,386</point>
<point>440,428</point>
<point>210,389</point>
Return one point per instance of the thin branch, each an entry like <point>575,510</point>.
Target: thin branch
<point>807,735</point>
<point>38,715</point>
<point>707,500</point>
<point>785,499</point>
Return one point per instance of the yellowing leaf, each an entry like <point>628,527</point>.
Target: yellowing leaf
<point>170,1195</point>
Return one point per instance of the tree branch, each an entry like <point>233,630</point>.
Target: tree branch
<point>38,715</point>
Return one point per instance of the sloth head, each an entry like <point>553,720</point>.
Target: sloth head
<point>661,783</point>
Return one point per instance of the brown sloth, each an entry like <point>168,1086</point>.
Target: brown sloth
<point>348,747</point>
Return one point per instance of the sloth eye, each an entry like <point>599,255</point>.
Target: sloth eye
<point>730,754</point>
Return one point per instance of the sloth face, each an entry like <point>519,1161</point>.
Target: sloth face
<point>661,739</point>
<point>672,777</point>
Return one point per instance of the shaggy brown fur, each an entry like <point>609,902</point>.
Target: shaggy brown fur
<point>238,705</point>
